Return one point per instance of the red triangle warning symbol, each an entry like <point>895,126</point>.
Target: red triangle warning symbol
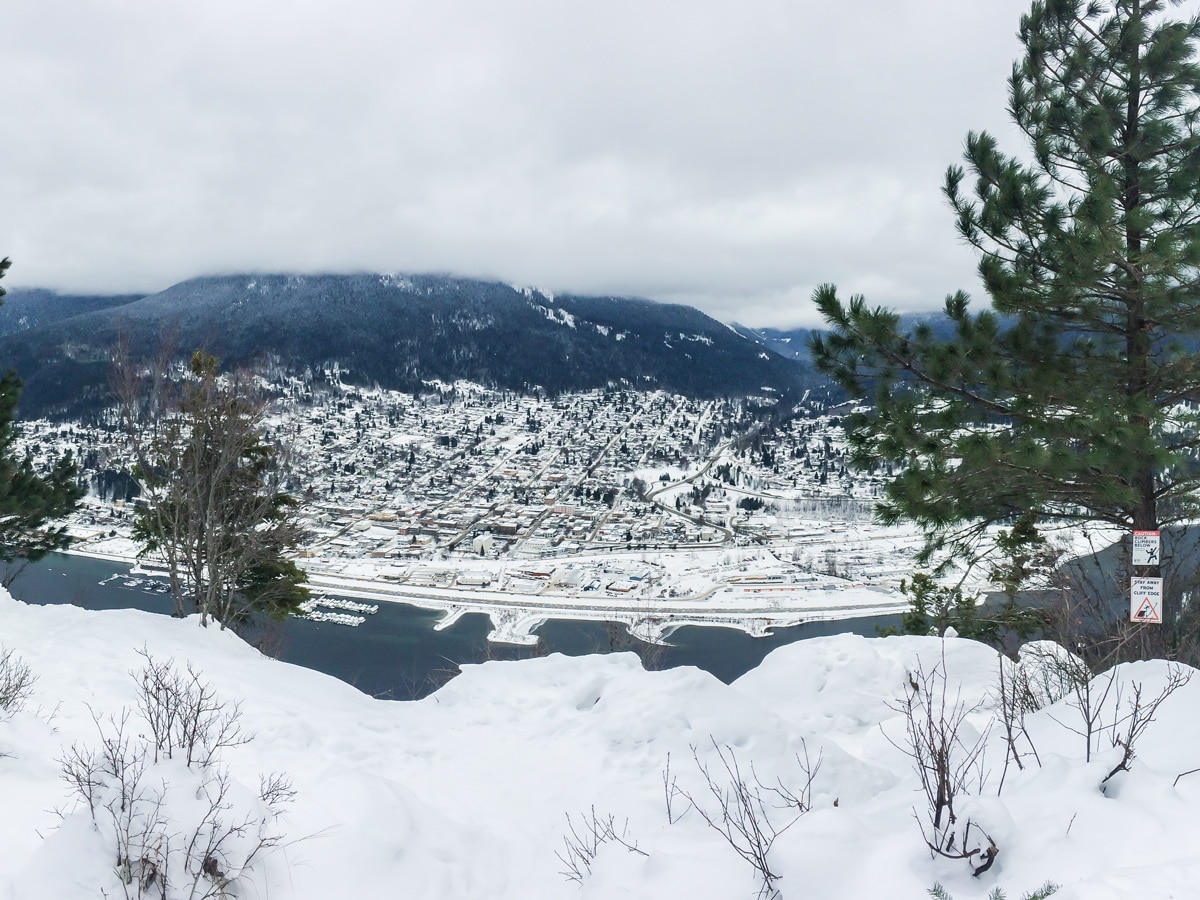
<point>1146,612</point>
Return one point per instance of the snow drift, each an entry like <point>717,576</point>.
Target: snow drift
<point>584,777</point>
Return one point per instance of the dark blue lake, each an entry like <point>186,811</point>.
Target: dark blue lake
<point>397,654</point>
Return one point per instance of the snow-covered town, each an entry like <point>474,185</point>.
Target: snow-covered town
<point>646,508</point>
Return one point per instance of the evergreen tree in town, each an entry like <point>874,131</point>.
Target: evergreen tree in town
<point>1074,397</point>
<point>29,500</point>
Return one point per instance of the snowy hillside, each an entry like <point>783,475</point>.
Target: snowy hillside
<point>393,331</point>
<point>470,792</point>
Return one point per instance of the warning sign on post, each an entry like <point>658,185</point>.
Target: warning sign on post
<point>1145,548</point>
<point>1145,600</point>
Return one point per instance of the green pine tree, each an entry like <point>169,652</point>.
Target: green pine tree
<point>28,501</point>
<point>1074,396</point>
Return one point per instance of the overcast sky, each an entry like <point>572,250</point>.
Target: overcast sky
<point>732,155</point>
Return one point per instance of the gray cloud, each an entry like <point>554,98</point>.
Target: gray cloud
<point>730,155</point>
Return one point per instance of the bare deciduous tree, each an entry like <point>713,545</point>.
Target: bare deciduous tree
<point>215,512</point>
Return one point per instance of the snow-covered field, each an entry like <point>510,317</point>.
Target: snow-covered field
<point>471,791</point>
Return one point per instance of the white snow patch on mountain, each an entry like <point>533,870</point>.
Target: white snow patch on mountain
<point>558,316</point>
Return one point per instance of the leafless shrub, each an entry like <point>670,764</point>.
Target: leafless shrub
<point>1135,715</point>
<point>81,771</point>
<point>1104,709</point>
<point>1089,697</point>
<point>183,713</point>
<point>796,796</point>
<point>670,793</point>
<point>739,808</point>
<point>111,780</point>
<point>192,839</point>
<point>87,770</point>
<point>585,840</point>
<point>946,764</point>
<point>276,789</point>
<point>1016,700</point>
<point>156,854</point>
<point>226,841</point>
<point>1048,673</point>
<point>16,682</point>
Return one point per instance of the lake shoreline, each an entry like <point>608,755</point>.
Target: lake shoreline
<point>399,653</point>
<point>515,616</point>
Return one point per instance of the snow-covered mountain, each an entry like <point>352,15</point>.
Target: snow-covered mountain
<point>516,773</point>
<point>396,331</point>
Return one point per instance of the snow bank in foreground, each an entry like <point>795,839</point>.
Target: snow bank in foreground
<point>470,792</point>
